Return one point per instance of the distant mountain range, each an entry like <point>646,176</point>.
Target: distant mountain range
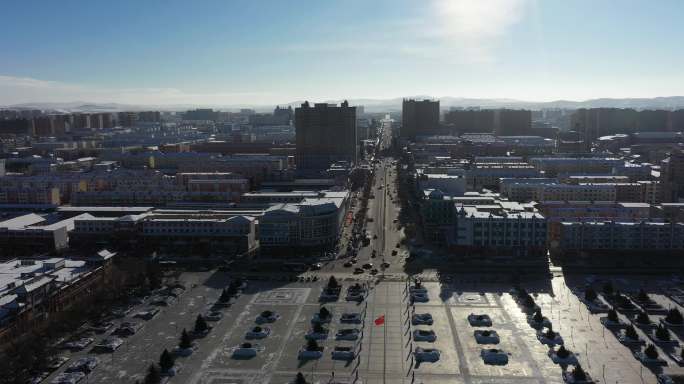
<point>379,105</point>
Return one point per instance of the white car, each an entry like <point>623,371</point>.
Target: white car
<point>426,354</point>
<point>419,297</point>
<point>109,344</point>
<point>479,320</point>
<point>68,378</point>
<point>494,356</point>
<point>267,317</point>
<point>258,333</point>
<point>307,354</point>
<point>350,318</point>
<point>423,335</point>
<point>84,364</point>
<point>343,353</point>
<point>245,351</point>
<point>347,334</point>
<point>486,336</point>
<point>421,319</point>
<point>544,338</point>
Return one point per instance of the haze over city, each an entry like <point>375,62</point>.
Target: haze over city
<point>273,52</point>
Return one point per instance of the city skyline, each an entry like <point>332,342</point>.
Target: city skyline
<point>272,53</point>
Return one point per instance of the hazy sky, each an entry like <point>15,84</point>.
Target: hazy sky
<point>265,52</point>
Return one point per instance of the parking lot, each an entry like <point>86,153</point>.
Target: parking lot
<point>383,352</point>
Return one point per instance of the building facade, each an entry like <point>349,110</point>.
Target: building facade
<point>325,134</point>
<point>419,117</point>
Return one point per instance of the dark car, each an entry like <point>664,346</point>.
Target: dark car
<point>358,271</point>
<point>368,266</point>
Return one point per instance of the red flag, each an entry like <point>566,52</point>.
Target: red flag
<point>380,320</point>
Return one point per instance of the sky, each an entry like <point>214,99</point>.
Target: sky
<point>234,52</point>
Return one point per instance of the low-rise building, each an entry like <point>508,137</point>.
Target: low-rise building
<point>32,233</point>
<point>525,189</point>
<point>314,223</point>
<point>581,192</point>
<point>487,175</point>
<point>454,185</point>
<point>191,232</point>
<point>620,238</point>
<point>505,229</point>
<point>34,292</point>
<point>553,166</point>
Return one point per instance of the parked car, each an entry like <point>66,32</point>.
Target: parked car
<point>343,353</point>
<point>317,334</point>
<point>245,351</point>
<point>57,362</point>
<point>84,364</point>
<point>258,333</point>
<point>419,297</point>
<point>479,320</point>
<point>308,353</point>
<point>424,335</point>
<point>267,317</point>
<point>79,344</point>
<point>147,314</point>
<point>163,301</point>
<point>68,378</point>
<point>421,319</point>
<point>350,318</point>
<point>486,336</point>
<point>347,334</point>
<point>120,312</point>
<point>213,316</point>
<point>494,356</point>
<point>127,328</point>
<point>109,344</point>
<point>426,354</point>
<point>101,327</point>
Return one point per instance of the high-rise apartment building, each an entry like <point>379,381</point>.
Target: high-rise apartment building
<point>419,117</point>
<point>503,122</point>
<point>325,134</point>
<point>672,177</point>
<point>596,122</point>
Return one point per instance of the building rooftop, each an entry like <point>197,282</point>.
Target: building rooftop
<point>22,221</point>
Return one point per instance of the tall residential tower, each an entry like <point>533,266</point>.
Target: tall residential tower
<point>419,117</point>
<point>326,133</point>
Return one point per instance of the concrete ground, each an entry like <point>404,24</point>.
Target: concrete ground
<point>384,351</point>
